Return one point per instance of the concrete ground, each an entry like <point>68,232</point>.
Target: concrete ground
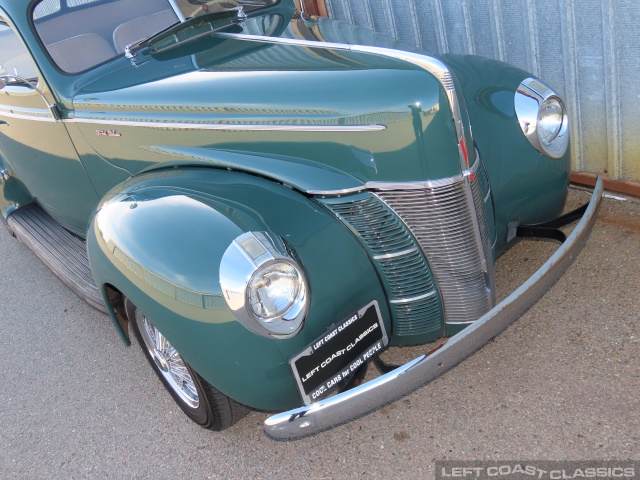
<point>562,383</point>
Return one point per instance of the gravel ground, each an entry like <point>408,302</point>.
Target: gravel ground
<point>562,383</point>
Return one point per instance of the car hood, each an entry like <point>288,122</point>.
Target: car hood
<point>315,115</point>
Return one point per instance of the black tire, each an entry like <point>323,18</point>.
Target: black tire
<point>202,402</point>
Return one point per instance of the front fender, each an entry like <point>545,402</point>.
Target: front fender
<point>526,185</point>
<point>159,238</point>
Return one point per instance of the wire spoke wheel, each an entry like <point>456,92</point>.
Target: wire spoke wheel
<point>201,401</point>
<point>168,361</point>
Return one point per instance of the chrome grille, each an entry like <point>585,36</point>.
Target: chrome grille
<point>382,231</point>
<point>413,299</point>
<point>441,219</point>
<point>417,232</point>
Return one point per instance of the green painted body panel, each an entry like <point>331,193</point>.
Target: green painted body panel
<point>13,193</point>
<point>243,92</point>
<point>159,239</point>
<point>41,156</point>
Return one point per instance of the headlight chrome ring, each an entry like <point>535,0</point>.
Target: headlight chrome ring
<point>264,286</point>
<point>543,118</point>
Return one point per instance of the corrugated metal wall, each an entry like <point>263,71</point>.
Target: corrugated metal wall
<point>588,50</point>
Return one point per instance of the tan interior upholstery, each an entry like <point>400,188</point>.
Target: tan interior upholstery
<point>142,27</point>
<point>81,52</point>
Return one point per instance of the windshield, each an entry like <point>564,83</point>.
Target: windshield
<point>82,34</point>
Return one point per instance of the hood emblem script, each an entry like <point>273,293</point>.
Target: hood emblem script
<point>108,133</point>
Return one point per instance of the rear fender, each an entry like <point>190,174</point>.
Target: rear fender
<point>159,238</point>
<point>13,193</point>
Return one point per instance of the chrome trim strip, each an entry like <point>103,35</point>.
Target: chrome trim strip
<point>476,224</point>
<point>486,198</point>
<point>387,388</point>
<point>489,276</point>
<point>235,127</point>
<point>35,116</point>
<point>425,184</point>
<point>285,41</point>
<point>337,193</point>
<point>413,299</point>
<point>395,255</point>
<point>420,185</point>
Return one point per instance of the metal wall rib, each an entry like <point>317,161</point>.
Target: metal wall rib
<point>588,50</point>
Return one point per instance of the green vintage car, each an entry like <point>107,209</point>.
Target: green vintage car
<point>269,200</point>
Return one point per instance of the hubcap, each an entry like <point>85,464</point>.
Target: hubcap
<point>168,361</point>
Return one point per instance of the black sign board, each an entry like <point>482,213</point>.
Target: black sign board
<point>338,353</point>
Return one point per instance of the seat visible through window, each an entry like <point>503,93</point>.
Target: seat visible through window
<point>142,27</point>
<point>81,52</point>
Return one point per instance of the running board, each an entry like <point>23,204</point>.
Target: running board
<point>61,251</point>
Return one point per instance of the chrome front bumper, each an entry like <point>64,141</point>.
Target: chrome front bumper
<point>403,380</point>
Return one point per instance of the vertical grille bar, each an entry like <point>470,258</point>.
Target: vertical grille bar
<point>487,203</point>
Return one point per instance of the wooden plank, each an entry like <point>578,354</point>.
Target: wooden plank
<point>620,186</point>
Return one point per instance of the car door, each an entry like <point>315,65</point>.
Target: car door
<point>34,144</point>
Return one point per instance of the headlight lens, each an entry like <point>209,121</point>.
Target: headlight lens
<point>264,286</point>
<point>550,118</point>
<point>273,289</point>
<point>542,117</point>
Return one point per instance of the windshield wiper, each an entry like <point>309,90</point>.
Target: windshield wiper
<point>191,29</point>
<point>132,49</point>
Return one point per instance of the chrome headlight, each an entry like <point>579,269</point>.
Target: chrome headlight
<point>543,118</point>
<point>264,287</point>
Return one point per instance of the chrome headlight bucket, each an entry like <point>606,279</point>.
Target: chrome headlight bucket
<point>542,116</point>
<point>263,286</point>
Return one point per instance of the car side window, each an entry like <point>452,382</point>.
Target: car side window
<point>14,57</point>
